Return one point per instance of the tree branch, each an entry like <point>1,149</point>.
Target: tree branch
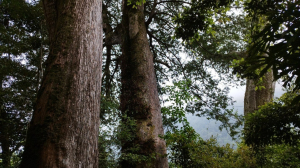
<point>111,36</point>
<point>161,62</point>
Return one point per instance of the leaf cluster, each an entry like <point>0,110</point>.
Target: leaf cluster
<point>196,17</point>
<point>276,45</point>
<point>274,123</point>
<point>281,155</point>
<point>188,149</point>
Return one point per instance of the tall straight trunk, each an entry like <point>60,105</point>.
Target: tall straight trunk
<point>64,128</point>
<point>139,96</point>
<point>255,98</point>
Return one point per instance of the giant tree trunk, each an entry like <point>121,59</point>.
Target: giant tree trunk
<point>255,98</point>
<point>64,129</point>
<point>139,96</point>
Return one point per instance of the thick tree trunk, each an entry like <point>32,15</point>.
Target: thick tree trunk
<point>139,96</point>
<point>255,98</point>
<point>64,129</point>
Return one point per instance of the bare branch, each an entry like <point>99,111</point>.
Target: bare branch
<point>161,62</point>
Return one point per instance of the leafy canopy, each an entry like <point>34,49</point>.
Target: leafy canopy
<point>277,122</point>
<point>277,44</point>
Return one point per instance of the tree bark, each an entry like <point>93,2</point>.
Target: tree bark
<point>64,128</point>
<point>255,98</point>
<point>139,96</point>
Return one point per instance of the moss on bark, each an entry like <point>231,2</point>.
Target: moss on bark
<point>139,97</point>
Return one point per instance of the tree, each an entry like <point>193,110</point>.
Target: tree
<point>258,92</point>
<point>139,96</point>
<point>63,131</point>
<point>198,18</point>
<point>276,45</point>
<point>283,128</point>
<point>273,132</point>
<point>188,149</point>
<point>209,99</point>
<point>215,39</point>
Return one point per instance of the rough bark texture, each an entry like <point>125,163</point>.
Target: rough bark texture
<point>139,97</point>
<point>64,129</point>
<point>255,98</point>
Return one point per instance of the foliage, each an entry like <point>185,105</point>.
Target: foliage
<point>109,144</point>
<point>179,97</point>
<point>274,123</point>
<point>133,153</point>
<point>282,155</point>
<point>22,51</point>
<point>108,150</point>
<point>178,143</point>
<point>17,97</point>
<point>188,149</point>
<point>273,132</point>
<point>136,3</point>
<point>197,17</point>
<point>275,45</point>
<point>211,49</point>
<point>189,96</point>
